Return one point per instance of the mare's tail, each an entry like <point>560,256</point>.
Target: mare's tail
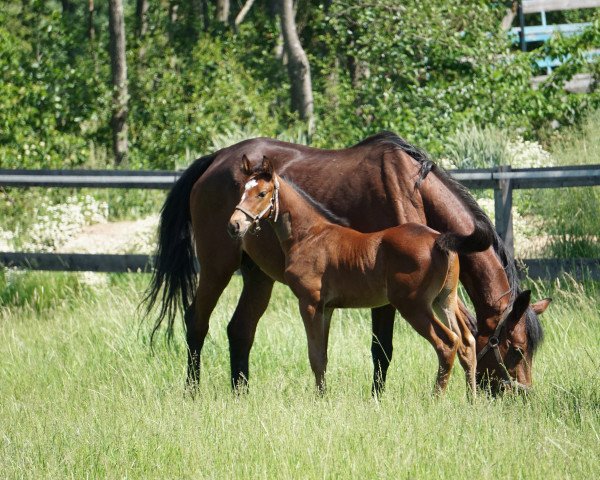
<point>174,280</point>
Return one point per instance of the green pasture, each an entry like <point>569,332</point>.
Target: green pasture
<point>81,396</point>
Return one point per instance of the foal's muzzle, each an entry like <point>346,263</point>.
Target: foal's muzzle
<point>233,229</point>
<point>238,225</point>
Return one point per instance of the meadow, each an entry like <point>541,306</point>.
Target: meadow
<point>82,395</point>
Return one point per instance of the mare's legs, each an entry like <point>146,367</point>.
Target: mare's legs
<point>381,345</point>
<point>316,324</point>
<point>210,286</point>
<point>444,341</point>
<point>253,302</point>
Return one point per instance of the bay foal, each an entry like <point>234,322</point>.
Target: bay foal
<point>328,265</point>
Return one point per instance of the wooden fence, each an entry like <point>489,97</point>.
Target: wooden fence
<point>503,180</point>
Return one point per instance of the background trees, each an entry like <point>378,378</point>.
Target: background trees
<point>196,81</point>
<point>116,22</point>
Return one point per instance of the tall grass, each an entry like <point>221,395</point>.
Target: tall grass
<point>571,218</point>
<point>82,397</point>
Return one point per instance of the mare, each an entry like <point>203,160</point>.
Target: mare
<point>381,182</point>
<point>328,266</point>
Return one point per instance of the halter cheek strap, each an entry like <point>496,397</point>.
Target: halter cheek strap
<point>494,345</point>
<point>272,207</point>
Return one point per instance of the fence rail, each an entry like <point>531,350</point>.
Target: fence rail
<point>503,180</point>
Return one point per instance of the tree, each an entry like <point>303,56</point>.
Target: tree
<point>91,28</point>
<point>141,17</point>
<point>119,80</point>
<point>223,11</point>
<point>298,66</point>
<point>243,12</point>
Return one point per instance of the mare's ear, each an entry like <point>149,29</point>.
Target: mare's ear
<point>267,166</point>
<point>519,306</point>
<point>246,167</point>
<point>540,306</point>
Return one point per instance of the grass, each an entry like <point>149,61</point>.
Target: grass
<point>82,397</point>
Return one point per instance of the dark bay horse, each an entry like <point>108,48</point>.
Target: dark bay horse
<point>328,266</point>
<point>381,182</point>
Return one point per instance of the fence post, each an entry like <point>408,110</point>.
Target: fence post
<point>503,209</point>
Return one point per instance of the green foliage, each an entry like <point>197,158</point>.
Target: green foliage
<point>473,147</point>
<point>570,215</point>
<point>422,69</point>
<point>40,291</point>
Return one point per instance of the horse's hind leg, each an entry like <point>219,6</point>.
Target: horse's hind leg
<point>211,284</point>
<point>381,345</point>
<point>444,341</point>
<point>253,302</point>
<point>447,309</point>
<point>467,353</point>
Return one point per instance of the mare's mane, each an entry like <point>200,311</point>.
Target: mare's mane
<point>392,141</point>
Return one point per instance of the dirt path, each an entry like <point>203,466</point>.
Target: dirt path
<point>135,236</point>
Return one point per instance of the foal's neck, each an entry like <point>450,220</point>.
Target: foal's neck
<point>297,217</point>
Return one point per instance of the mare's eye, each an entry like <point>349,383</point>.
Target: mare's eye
<point>262,194</point>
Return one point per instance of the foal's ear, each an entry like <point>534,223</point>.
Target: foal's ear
<point>246,167</point>
<point>540,306</point>
<point>518,309</point>
<point>267,166</point>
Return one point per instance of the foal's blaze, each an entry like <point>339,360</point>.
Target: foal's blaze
<point>327,266</point>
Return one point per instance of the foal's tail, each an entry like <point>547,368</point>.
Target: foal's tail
<point>478,241</point>
<point>174,280</point>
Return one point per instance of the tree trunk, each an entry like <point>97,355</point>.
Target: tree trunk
<point>298,66</point>
<point>91,28</point>
<point>205,17</point>
<point>119,80</point>
<point>243,12</point>
<point>141,18</point>
<point>67,6</point>
<point>223,11</point>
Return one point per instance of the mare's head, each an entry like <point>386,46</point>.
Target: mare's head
<point>505,355</point>
<point>259,199</point>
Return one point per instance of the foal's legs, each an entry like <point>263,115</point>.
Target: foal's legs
<point>381,345</point>
<point>452,317</point>
<point>467,353</point>
<point>253,302</point>
<point>444,341</point>
<point>316,324</point>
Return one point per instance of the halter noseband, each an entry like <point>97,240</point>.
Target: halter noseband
<point>273,207</point>
<point>493,344</point>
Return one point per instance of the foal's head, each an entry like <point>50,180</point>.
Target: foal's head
<point>505,356</point>
<point>259,199</point>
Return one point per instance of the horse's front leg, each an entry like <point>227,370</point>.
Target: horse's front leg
<point>316,323</point>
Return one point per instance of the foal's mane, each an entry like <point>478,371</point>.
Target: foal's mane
<point>318,206</point>
<point>392,141</point>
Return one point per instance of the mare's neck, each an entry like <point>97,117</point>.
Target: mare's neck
<point>297,217</point>
<point>486,283</point>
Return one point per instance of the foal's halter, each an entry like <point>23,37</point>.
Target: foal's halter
<point>493,344</point>
<point>272,207</point>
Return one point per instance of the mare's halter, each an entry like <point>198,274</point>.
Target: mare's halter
<point>272,207</point>
<point>493,344</point>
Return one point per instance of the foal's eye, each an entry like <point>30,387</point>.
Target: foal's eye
<point>262,194</point>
